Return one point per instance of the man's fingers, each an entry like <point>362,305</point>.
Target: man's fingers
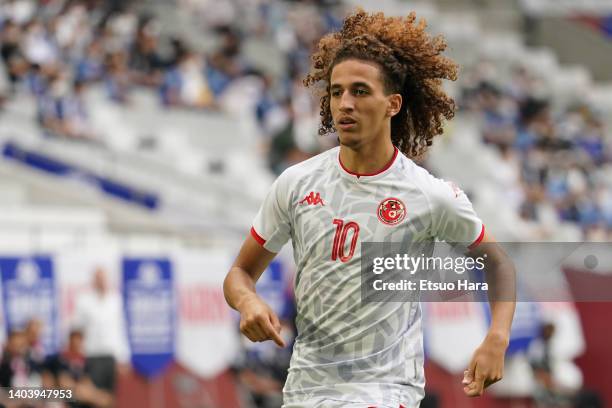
<point>468,375</point>
<point>466,379</point>
<point>273,334</point>
<point>476,385</point>
<point>262,326</point>
<point>253,330</point>
<point>492,380</point>
<point>252,334</point>
<point>275,322</point>
<point>474,389</point>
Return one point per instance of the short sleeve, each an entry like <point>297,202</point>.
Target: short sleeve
<point>272,226</point>
<point>454,218</point>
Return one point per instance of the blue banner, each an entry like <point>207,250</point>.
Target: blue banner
<point>150,313</point>
<point>28,292</point>
<point>526,323</point>
<point>272,287</point>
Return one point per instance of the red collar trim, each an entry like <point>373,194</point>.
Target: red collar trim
<point>387,166</point>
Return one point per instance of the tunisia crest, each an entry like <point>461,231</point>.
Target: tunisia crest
<point>391,211</point>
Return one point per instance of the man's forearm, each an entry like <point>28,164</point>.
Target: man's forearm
<point>501,279</point>
<point>238,286</point>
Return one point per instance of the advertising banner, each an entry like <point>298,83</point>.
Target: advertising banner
<point>149,300</point>
<point>28,292</point>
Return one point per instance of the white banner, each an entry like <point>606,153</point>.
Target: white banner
<point>453,331</point>
<point>208,338</point>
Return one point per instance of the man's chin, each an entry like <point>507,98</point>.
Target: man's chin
<point>349,139</point>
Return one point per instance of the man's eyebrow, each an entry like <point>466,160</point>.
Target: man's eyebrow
<point>353,85</point>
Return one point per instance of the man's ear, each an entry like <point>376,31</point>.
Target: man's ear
<point>394,105</point>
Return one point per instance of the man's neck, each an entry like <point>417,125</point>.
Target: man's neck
<point>368,159</point>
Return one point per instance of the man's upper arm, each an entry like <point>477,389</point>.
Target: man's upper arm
<point>270,231</point>
<point>454,218</point>
<point>487,245</point>
<point>253,257</point>
<point>272,224</point>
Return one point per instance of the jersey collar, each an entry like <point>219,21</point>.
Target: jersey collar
<point>367,176</point>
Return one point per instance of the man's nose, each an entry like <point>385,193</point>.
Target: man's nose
<point>347,102</point>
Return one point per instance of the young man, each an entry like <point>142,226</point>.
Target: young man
<point>384,98</point>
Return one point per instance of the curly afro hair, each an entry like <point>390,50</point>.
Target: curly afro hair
<point>411,64</point>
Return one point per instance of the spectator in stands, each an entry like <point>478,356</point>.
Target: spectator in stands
<point>185,85</point>
<point>15,62</point>
<point>145,62</point>
<point>227,62</point>
<point>33,332</point>
<point>38,79</point>
<point>498,116</point>
<point>117,78</point>
<point>66,370</point>
<point>283,150</point>
<point>74,114</point>
<point>49,102</point>
<point>99,315</point>
<point>17,368</point>
<point>90,67</point>
<point>541,364</point>
<point>62,110</point>
<point>591,140</point>
<point>38,44</point>
<point>534,123</point>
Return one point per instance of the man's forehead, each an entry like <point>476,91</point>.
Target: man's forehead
<point>349,72</point>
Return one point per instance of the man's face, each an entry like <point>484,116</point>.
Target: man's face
<point>76,341</point>
<point>360,109</point>
<point>99,281</point>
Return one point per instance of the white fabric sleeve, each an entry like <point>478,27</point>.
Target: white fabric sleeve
<point>272,225</point>
<point>454,218</point>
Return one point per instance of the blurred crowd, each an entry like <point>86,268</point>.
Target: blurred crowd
<point>56,49</point>
<point>553,158</point>
<point>88,362</point>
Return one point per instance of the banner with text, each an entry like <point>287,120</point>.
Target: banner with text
<point>148,291</point>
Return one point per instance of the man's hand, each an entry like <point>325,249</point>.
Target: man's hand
<point>258,322</point>
<point>486,367</point>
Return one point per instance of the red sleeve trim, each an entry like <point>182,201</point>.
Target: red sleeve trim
<point>257,237</point>
<point>479,239</point>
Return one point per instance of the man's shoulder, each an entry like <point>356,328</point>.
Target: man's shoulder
<point>430,185</point>
<point>417,174</point>
<point>309,166</point>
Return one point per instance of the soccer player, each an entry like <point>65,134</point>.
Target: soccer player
<point>382,94</point>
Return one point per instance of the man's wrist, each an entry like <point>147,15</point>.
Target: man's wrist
<point>497,336</point>
<point>244,300</point>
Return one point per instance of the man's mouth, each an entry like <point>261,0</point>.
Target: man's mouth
<point>346,123</point>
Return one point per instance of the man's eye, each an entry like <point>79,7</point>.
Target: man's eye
<point>336,93</point>
<point>361,92</point>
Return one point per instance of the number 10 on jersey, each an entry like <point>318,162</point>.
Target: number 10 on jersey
<point>342,231</point>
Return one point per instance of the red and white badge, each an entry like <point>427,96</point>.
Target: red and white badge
<point>391,211</point>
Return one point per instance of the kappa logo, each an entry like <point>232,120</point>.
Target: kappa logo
<point>313,199</point>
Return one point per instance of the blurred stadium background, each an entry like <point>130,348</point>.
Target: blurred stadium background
<point>138,139</point>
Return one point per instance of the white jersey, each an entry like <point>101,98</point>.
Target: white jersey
<point>347,351</point>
